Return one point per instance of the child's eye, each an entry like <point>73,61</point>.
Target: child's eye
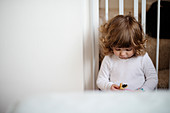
<point>129,49</point>
<point>117,49</point>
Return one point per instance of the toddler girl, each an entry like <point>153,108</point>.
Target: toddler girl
<point>126,60</point>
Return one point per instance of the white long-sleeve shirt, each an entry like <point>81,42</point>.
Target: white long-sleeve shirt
<point>136,72</point>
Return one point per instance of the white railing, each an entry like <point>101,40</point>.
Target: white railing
<point>121,7</point>
<point>136,9</point>
<point>95,33</point>
<point>121,12</point>
<point>106,9</point>
<point>158,32</point>
<point>143,21</point>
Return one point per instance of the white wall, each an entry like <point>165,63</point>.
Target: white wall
<point>41,48</point>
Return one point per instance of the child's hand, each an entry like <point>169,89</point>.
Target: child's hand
<point>114,87</point>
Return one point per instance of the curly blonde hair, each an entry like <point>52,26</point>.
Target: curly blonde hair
<point>122,32</point>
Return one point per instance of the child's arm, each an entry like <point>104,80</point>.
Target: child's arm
<point>151,78</point>
<point>103,76</point>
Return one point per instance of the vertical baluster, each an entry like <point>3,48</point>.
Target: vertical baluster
<point>136,9</point>
<point>144,15</point>
<point>158,31</point>
<point>106,10</point>
<point>121,7</point>
<point>95,51</point>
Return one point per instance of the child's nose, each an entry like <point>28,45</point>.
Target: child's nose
<point>122,53</point>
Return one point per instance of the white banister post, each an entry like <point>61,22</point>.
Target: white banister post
<point>143,21</point>
<point>136,9</point>
<point>121,7</point>
<point>158,32</point>
<point>95,22</point>
<point>106,9</point>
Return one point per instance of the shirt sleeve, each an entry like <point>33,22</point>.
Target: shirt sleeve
<point>151,77</point>
<point>103,75</point>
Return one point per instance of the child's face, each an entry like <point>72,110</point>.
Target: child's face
<point>123,53</point>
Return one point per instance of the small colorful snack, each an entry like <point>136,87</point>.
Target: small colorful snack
<point>123,86</point>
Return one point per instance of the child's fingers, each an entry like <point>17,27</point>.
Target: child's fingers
<point>114,87</point>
